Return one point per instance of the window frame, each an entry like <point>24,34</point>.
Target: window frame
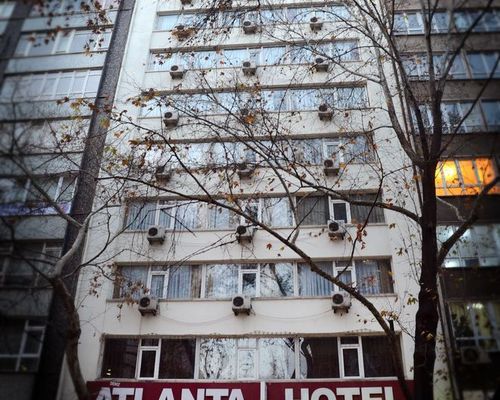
<point>148,348</point>
<point>472,318</point>
<point>30,327</point>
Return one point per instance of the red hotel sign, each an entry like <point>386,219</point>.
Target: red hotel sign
<point>337,390</point>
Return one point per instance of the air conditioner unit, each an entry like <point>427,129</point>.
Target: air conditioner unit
<point>171,118</point>
<point>325,113</point>
<point>331,167</point>
<point>341,301</point>
<point>148,305</point>
<point>162,173</point>
<point>474,355</point>
<point>244,233</point>
<point>176,72</point>
<point>316,24</point>
<point>156,234</point>
<point>241,304</point>
<point>336,229</point>
<point>249,68</point>
<point>244,170</point>
<point>249,27</point>
<point>320,64</point>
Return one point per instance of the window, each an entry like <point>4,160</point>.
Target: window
<point>71,7</point>
<point>413,22</point>
<point>489,22</point>
<point>254,280</point>
<point>372,277</point>
<point>361,214</point>
<point>312,210</point>
<point>16,193</point>
<point>6,9</point>
<point>478,246</point>
<point>476,324</point>
<point>312,284</point>
<point>345,357</point>
<point>150,358</point>
<point>119,358</point>
<point>20,345</point>
<point>465,177</point>
<point>483,64</point>
<point>376,361</point>
<point>170,282</point>
<point>51,86</point>
<point>73,41</point>
<point>268,100</point>
<point>174,215</point>
<point>247,358</point>
<point>18,266</point>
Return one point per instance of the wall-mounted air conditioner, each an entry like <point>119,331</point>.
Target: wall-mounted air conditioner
<point>331,167</point>
<point>148,305</point>
<point>249,27</point>
<point>244,170</point>
<point>341,301</point>
<point>325,113</point>
<point>171,118</point>
<point>244,233</point>
<point>249,67</point>
<point>321,64</point>
<point>163,173</point>
<point>474,355</point>
<point>316,24</point>
<point>241,304</point>
<point>176,72</point>
<point>156,234</point>
<point>336,229</point>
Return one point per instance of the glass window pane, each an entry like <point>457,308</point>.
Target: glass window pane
<point>376,359</point>
<point>492,112</point>
<point>276,212</point>
<point>119,358</point>
<point>217,359</point>
<point>311,283</point>
<point>339,211</point>
<point>319,358</point>
<point>276,358</point>
<point>141,216</point>
<point>177,359</point>
<point>312,210</point>
<point>249,283</point>
<point>130,282</point>
<point>246,364</point>
<point>157,283</point>
<point>351,362</point>
<point>184,282</point>
<point>33,342</point>
<point>276,280</point>
<point>360,214</point>
<point>11,335</point>
<point>221,281</point>
<point>147,369</point>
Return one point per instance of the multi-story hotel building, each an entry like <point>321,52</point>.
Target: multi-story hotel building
<point>225,107</point>
<point>250,141</point>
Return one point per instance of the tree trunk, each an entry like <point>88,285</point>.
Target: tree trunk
<point>427,314</point>
<point>72,340</point>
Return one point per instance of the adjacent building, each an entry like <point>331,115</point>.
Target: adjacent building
<point>470,158</point>
<point>52,54</point>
